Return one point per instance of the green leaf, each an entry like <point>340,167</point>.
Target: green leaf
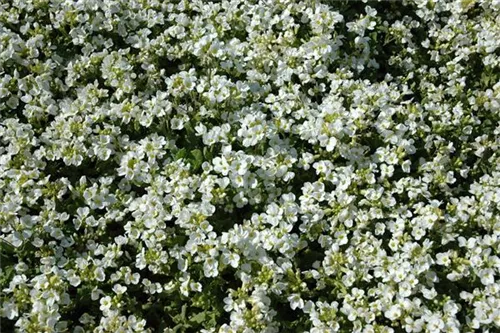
<point>207,153</point>
<point>197,158</point>
<point>189,128</point>
<point>7,247</point>
<point>180,328</point>
<point>213,319</point>
<point>183,312</point>
<point>467,3</point>
<point>180,317</point>
<point>199,318</point>
<point>181,154</point>
<point>6,275</point>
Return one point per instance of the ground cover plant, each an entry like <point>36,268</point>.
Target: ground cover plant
<point>249,166</point>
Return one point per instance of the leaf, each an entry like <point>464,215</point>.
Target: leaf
<point>189,128</point>
<point>199,318</point>
<point>180,318</point>
<point>467,3</point>
<point>181,154</point>
<point>213,319</point>
<point>207,153</point>
<point>197,158</point>
<point>7,247</point>
<point>183,312</point>
<point>6,275</point>
<point>190,137</point>
<point>179,327</point>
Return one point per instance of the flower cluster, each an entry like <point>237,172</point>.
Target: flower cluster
<point>244,166</point>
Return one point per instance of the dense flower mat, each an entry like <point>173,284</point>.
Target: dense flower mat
<point>249,166</point>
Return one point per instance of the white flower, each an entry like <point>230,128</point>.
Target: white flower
<point>99,274</point>
<point>10,310</point>
<point>435,324</point>
<point>443,259</point>
<point>231,259</point>
<point>119,289</point>
<point>296,301</point>
<point>106,304</point>
<point>332,143</point>
<point>393,313</point>
<point>74,280</point>
<point>210,267</point>
<point>487,276</point>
